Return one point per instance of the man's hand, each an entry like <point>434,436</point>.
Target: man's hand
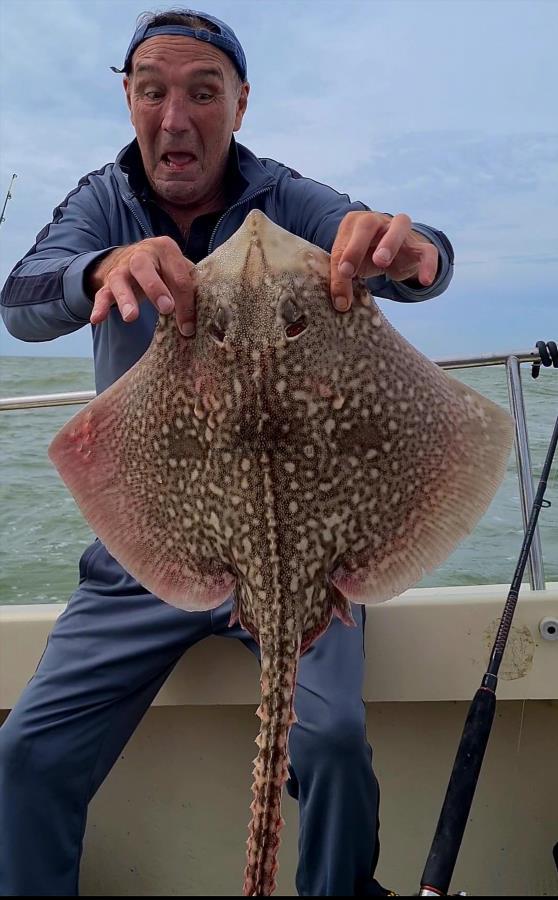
<point>370,243</point>
<point>154,268</point>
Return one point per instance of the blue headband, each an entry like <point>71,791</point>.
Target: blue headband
<point>225,39</point>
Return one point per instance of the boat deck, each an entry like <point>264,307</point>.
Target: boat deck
<point>171,819</point>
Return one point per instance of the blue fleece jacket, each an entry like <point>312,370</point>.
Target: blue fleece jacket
<point>45,294</point>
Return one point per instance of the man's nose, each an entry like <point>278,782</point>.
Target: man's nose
<point>176,117</point>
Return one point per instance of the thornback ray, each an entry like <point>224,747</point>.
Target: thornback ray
<point>299,458</point>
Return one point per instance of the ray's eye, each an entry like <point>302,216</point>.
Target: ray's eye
<point>216,333</point>
<point>293,317</point>
<point>219,324</point>
<point>296,327</point>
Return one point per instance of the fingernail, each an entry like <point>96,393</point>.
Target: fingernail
<point>188,329</point>
<point>127,311</point>
<point>347,269</point>
<point>165,305</point>
<point>383,255</point>
<point>341,304</point>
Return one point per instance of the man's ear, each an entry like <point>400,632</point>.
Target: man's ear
<point>242,103</point>
<point>127,90</point>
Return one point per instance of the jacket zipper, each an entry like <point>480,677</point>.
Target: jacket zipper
<point>136,217</point>
<point>225,214</point>
<point>230,209</point>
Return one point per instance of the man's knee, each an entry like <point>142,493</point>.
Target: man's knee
<point>23,756</point>
<point>12,749</point>
<point>335,740</point>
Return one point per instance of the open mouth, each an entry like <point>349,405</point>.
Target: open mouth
<point>178,161</point>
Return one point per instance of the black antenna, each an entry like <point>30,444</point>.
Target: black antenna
<point>8,197</point>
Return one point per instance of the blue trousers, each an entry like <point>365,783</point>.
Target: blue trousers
<point>105,660</point>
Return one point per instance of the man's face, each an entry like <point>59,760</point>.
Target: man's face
<point>185,102</point>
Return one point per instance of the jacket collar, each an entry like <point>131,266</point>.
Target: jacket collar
<point>245,173</point>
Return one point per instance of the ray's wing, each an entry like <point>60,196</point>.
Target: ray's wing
<point>132,460</point>
<point>434,452</point>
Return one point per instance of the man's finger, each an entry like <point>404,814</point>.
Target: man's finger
<point>104,299</point>
<point>180,277</point>
<point>119,284</point>
<point>352,244</point>
<point>144,272</point>
<point>365,231</point>
<point>398,231</point>
<point>341,287</point>
<point>177,272</point>
<point>348,250</point>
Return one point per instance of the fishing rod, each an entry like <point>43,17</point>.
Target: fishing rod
<point>8,197</point>
<point>468,761</point>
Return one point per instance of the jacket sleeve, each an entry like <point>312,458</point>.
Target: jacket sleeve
<point>44,296</point>
<point>315,211</point>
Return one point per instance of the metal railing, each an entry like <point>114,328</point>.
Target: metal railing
<point>38,401</point>
<point>510,360</point>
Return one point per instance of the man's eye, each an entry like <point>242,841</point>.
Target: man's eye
<point>152,95</point>
<point>203,97</point>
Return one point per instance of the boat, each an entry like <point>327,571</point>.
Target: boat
<point>171,818</point>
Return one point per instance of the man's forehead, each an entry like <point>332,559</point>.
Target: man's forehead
<point>164,52</point>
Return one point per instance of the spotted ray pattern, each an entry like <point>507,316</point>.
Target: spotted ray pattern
<point>299,457</point>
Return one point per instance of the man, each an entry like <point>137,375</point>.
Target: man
<point>120,249</point>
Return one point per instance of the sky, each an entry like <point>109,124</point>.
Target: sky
<point>442,109</point>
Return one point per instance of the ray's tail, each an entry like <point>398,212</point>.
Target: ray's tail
<point>278,678</point>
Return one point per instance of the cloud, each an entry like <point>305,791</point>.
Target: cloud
<point>413,106</point>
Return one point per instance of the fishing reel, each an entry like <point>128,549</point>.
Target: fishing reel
<point>548,352</point>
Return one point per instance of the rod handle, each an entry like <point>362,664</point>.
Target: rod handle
<point>459,795</point>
